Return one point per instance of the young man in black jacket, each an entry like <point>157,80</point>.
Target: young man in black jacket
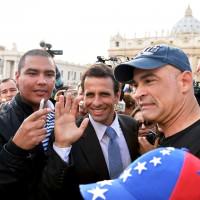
<point>23,161</point>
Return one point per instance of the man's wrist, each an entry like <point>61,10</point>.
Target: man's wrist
<point>63,152</point>
<point>15,150</point>
<point>62,145</point>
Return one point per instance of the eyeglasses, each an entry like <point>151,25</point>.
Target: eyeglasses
<point>145,123</point>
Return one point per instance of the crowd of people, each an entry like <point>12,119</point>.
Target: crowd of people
<point>83,137</point>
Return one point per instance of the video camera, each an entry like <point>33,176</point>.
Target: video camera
<point>48,46</point>
<point>196,85</point>
<point>101,59</point>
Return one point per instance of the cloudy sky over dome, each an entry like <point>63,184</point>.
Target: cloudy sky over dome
<point>82,28</point>
<point>187,24</point>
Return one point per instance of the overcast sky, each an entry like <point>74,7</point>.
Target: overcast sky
<point>82,28</point>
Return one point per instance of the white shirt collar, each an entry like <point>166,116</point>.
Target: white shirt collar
<point>101,128</point>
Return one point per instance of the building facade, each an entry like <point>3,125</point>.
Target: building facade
<point>8,62</point>
<point>9,59</point>
<point>185,34</point>
<point>71,73</point>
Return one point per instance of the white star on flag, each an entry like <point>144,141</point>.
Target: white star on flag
<point>98,192</point>
<point>105,182</point>
<point>140,167</point>
<point>155,161</point>
<point>125,174</point>
<point>165,152</point>
<point>170,148</point>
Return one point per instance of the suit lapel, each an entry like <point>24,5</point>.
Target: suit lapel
<point>130,135</point>
<point>91,148</point>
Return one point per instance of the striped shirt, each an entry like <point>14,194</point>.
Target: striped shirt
<point>49,126</point>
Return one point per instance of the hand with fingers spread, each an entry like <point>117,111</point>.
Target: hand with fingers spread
<point>32,131</point>
<point>66,130</point>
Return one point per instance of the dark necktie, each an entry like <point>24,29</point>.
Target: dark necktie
<point>114,156</point>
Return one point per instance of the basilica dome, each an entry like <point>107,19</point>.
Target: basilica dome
<point>187,25</point>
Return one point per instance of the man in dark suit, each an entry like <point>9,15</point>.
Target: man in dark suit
<point>85,150</point>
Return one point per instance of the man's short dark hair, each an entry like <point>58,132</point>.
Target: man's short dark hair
<point>100,71</point>
<point>33,52</point>
<point>7,79</point>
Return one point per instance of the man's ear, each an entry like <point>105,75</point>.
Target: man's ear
<point>186,80</point>
<point>17,74</point>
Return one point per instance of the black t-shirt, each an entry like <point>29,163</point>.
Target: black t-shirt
<point>188,138</point>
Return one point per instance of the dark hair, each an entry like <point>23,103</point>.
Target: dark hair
<point>129,101</point>
<point>33,52</point>
<point>100,71</point>
<point>7,79</point>
<point>136,110</point>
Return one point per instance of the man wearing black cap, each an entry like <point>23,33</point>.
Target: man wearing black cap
<point>163,83</point>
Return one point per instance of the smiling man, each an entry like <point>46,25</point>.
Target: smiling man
<point>101,94</point>
<point>89,152</point>
<point>163,83</point>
